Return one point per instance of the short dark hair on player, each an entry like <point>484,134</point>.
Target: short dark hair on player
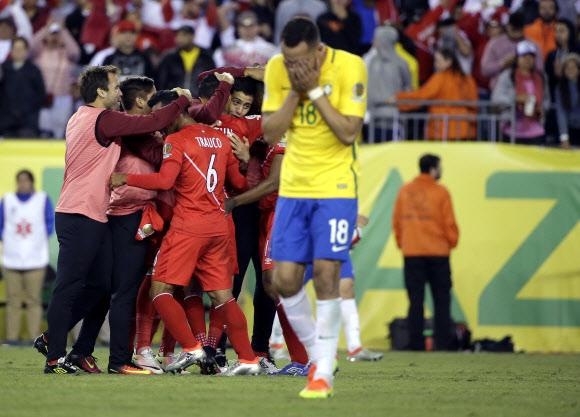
<point>427,162</point>
<point>245,85</point>
<point>94,78</point>
<point>27,173</point>
<point>300,29</point>
<point>21,39</point>
<point>207,86</point>
<point>164,97</point>
<point>133,87</point>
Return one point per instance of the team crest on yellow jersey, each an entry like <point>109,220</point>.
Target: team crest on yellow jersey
<point>327,89</point>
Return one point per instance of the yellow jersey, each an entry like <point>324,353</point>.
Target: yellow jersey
<point>316,164</point>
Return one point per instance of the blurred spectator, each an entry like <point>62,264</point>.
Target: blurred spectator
<point>99,58</point>
<point>37,15</point>
<point>340,27</point>
<point>565,36</point>
<point>26,222</point>
<point>249,49</point>
<point>22,93</point>
<point>388,73</point>
<point>500,52</point>
<point>55,52</point>
<point>127,57</point>
<point>287,9</point>
<point>74,23</point>
<point>7,32</point>
<point>568,101</point>
<point>19,18</point>
<point>542,30</point>
<point>449,36</point>
<point>264,9</point>
<point>367,13</point>
<point>423,32</point>
<point>96,27</point>
<point>525,85</point>
<point>448,83</point>
<point>180,67</point>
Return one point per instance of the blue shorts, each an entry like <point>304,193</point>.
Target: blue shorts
<point>306,229</point>
<point>346,271</point>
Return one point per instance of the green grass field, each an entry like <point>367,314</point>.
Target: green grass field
<point>402,384</point>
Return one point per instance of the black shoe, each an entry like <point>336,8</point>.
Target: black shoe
<point>84,363</point>
<point>62,366</point>
<point>208,364</point>
<point>41,344</point>
<point>221,360</point>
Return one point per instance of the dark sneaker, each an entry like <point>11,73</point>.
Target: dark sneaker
<point>84,363</point>
<point>129,369</point>
<point>41,344</point>
<point>208,364</point>
<point>62,366</point>
<point>221,360</point>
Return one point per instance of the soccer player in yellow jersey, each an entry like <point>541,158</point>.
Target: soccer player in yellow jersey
<point>318,96</point>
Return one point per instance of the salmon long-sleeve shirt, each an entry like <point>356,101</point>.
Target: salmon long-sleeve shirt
<point>423,219</point>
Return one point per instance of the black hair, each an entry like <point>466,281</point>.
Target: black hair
<point>300,29</point>
<point>450,54</point>
<point>164,97</point>
<point>564,87</point>
<point>517,20</point>
<point>572,40</point>
<point>27,173</point>
<point>133,87</point>
<point>427,162</point>
<point>245,85</point>
<point>207,86</point>
<point>21,39</point>
<point>445,23</point>
<point>94,78</point>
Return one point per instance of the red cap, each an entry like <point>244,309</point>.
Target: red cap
<point>500,17</point>
<point>126,26</point>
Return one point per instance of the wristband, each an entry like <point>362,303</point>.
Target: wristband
<point>315,93</point>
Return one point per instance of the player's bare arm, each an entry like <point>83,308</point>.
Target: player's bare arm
<point>256,72</point>
<point>263,189</point>
<point>275,124</point>
<point>345,128</point>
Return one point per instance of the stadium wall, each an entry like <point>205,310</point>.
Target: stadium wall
<point>516,270</point>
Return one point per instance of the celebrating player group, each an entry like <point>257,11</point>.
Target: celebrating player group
<point>173,196</point>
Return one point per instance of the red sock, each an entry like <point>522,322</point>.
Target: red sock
<point>195,312</point>
<point>236,329</point>
<point>145,315</point>
<point>295,347</point>
<point>175,320</point>
<point>154,327</point>
<point>216,328</point>
<point>167,346</point>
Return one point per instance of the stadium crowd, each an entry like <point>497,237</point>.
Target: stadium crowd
<point>413,50</point>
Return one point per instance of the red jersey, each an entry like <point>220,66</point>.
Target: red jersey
<point>269,202</point>
<point>196,162</point>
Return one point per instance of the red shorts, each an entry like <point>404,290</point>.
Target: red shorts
<point>266,224</point>
<point>182,256</point>
<point>233,248</point>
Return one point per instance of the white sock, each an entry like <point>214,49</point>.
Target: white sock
<point>277,336</point>
<point>328,321</point>
<point>299,312</point>
<point>351,324</point>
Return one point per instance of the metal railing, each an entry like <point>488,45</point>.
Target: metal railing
<point>488,121</point>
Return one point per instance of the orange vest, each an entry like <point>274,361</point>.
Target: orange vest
<point>543,34</point>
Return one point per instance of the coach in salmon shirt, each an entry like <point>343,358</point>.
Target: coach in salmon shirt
<point>426,231</point>
<point>93,139</point>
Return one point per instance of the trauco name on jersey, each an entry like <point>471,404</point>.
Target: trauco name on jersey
<point>209,142</point>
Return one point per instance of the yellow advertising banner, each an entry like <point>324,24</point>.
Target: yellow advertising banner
<point>516,270</point>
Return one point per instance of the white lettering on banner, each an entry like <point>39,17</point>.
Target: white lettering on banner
<point>209,142</point>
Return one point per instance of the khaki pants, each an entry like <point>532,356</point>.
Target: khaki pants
<point>16,282</point>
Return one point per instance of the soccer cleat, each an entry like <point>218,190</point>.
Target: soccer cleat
<point>84,363</point>
<point>361,354</point>
<point>166,360</point>
<point>185,360</point>
<point>41,344</point>
<point>208,365</point>
<point>268,365</point>
<point>130,369</point>
<point>221,360</point>
<point>242,367</point>
<point>278,352</point>
<point>317,389</point>
<point>295,369</point>
<point>146,360</point>
<point>62,366</point>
